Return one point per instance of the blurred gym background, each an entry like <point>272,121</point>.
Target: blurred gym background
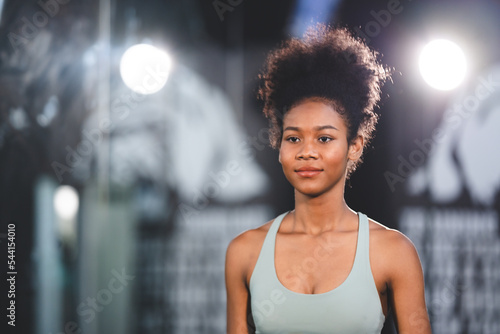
<point>133,149</point>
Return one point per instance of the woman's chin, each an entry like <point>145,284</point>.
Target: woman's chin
<point>311,191</point>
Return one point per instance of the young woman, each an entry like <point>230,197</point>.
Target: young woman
<point>322,267</point>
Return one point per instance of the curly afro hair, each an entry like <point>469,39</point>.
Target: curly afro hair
<point>328,65</point>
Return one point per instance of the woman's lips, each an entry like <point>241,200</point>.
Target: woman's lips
<point>308,171</point>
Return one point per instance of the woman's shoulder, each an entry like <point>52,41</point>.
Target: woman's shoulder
<point>245,247</point>
<point>391,237</point>
<point>250,241</point>
<point>390,243</point>
<point>250,238</point>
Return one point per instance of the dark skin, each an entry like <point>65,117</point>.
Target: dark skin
<point>314,134</point>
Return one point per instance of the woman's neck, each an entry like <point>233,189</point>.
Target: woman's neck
<point>327,212</point>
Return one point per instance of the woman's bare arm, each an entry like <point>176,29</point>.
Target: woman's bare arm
<point>236,288</point>
<point>407,286</point>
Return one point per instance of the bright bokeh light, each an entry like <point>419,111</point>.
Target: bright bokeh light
<point>66,202</point>
<point>144,68</point>
<point>442,64</point>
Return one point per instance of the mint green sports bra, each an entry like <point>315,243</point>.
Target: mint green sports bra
<point>352,307</point>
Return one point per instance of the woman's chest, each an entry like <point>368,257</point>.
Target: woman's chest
<point>316,266</point>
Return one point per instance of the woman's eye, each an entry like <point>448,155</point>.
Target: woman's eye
<point>292,139</point>
<point>324,139</point>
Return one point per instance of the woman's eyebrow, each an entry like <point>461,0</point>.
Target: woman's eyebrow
<point>322,127</point>
<point>316,128</point>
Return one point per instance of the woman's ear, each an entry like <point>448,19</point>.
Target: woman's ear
<point>356,148</point>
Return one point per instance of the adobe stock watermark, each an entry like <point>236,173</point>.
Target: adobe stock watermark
<point>261,309</point>
<point>120,110</point>
<point>221,6</point>
<point>454,116</point>
<point>31,28</point>
<point>373,28</point>
<point>382,19</point>
<point>247,149</point>
<point>221,179</point>
<point>298,272</point>
<point>447,296</point>
<point>453,288</point>
<point>264,308</point>
<point>92,138</point>
<point>95,304</point>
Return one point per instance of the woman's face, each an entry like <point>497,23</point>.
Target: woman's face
<point>314,150</point>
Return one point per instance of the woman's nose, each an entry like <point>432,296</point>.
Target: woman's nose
<point>307,151</point>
